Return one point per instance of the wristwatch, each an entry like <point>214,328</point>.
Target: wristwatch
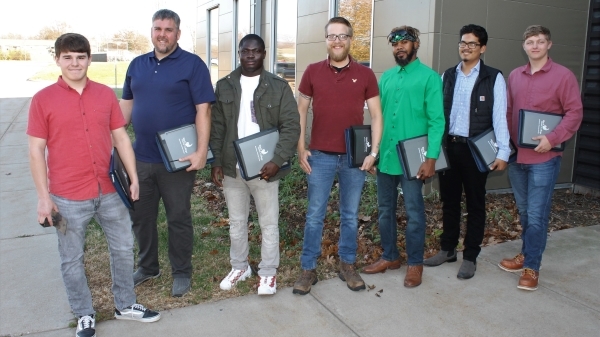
<point>374,155</point>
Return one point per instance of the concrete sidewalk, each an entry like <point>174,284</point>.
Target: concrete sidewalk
<point>33,300</point>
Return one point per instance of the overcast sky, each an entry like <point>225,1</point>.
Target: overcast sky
<point>93,19</point>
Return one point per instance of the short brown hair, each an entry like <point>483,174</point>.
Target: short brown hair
<point>343,21</point>
<point>534,30</point>
<point>410,30</point>
<point>72,42</point>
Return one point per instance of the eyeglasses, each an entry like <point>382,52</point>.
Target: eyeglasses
<point>401,35</point>
<point>471,45</point>
<point>342,37</point>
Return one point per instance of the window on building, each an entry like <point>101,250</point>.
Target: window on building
<point>213,44</point>
<point>286,23</point>
<point>359,13</point>
<point>243,24</point>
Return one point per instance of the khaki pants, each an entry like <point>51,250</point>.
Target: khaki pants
<point>266,198</point>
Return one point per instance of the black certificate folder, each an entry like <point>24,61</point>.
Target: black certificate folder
<point>178,143</point>
<point>412,153</point>
<point>358,144</point>
<point>537,123</point>
<point>120,179</point>
<point>254,151</point>
<point>485,149</point>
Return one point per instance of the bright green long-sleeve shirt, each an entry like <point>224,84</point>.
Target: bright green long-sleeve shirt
<point>412,104</point>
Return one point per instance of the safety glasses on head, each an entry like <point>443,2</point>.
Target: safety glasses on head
<point>399,35</point>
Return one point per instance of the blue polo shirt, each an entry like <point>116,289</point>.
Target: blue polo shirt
<point>165,95</point>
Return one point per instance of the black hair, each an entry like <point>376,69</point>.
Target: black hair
<point>252,37</point>
<point>476,30</point>
<point>72,42</point>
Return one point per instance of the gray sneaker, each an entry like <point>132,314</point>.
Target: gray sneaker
<point>137,312</point>
<point>467,270</point>
<point>307,279</point>
<point>181,286</point>
<point>351,277</point>
<point>441,257</point>
<point>139,277</point>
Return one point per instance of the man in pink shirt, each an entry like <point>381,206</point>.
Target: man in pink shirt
<point>540,85</point>
<point>78,121</point>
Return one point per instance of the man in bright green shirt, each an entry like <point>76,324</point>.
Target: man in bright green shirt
<point>411,99</point>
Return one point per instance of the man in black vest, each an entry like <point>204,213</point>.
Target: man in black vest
<point>474,101</point>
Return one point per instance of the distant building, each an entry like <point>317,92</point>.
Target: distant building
<point>39,50</point>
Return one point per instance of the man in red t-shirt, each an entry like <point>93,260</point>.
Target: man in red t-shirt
<point>338,88</point>
<point>77,121</point>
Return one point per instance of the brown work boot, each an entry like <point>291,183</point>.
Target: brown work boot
<point>380,266</point>
<point>307,279</point>
<point>512,265</point>
<point>529,279</point>
<point>350,276</point>
<point>413,276</point>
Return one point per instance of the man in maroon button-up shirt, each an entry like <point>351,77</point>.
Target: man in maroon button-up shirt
<point>540,85</point>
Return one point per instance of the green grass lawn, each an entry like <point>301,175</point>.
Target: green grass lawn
<point>108,73</point>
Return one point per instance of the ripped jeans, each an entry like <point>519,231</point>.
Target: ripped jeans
<point>266,198</point>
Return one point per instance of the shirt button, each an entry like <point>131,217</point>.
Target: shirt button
<point>155,72</point>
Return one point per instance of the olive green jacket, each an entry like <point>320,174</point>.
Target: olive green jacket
<point>275,106</point>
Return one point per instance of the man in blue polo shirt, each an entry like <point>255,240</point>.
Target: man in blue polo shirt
<point>163,89</point>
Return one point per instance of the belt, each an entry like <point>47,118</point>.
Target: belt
<point>456,139</point>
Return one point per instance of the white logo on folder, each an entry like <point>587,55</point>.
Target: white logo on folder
<point>542,126</point>
<point>422,154</point>
<point>493,145</point>
<point>367,144</point>
<point>260,152</point>
<point>184,144</point>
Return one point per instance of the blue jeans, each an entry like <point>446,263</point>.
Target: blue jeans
<point>112,215</point>
<point>387,201</point>
<point>324,168</point>
<point>533,186</point>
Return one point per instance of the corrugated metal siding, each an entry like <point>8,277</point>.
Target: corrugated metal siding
<point>587,157</point>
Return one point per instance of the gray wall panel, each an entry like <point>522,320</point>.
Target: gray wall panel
<point>308,7</point>
<point>568,27</point>
<point>312,28</point>
<point>456,14</point>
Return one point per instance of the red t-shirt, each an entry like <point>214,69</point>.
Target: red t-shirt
<point>77,129</point>
<point>338,100</point>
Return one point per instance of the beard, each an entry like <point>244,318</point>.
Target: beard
<point>406,60</point>
<point>338,57</point>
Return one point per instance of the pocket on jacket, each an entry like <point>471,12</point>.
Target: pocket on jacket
<point>269,105</point>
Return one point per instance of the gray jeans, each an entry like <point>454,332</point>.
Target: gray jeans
<point>112,215</point>
<point>266,198</point>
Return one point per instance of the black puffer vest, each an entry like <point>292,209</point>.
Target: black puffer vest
<point>482,98</point>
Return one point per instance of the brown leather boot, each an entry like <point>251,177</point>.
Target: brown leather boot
<point>306,279</point>
<point>413,276</point>
<point>349,274</point>
<point>512,265</point>
<point>529,279</point>
<point>380,266</point>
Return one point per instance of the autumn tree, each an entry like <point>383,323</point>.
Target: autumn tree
<point>358,12</point>
<point>52,32</point>
<point>136,42</point>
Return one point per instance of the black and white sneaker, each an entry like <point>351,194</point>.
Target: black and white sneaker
<point>137,312</point>
<point>86,326</point>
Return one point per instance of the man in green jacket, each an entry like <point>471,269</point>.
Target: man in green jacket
<point>250,100</point>
<point>411,99</point>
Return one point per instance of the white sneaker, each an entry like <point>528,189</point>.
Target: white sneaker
<point>235,276</point>
<point>267,285</point>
